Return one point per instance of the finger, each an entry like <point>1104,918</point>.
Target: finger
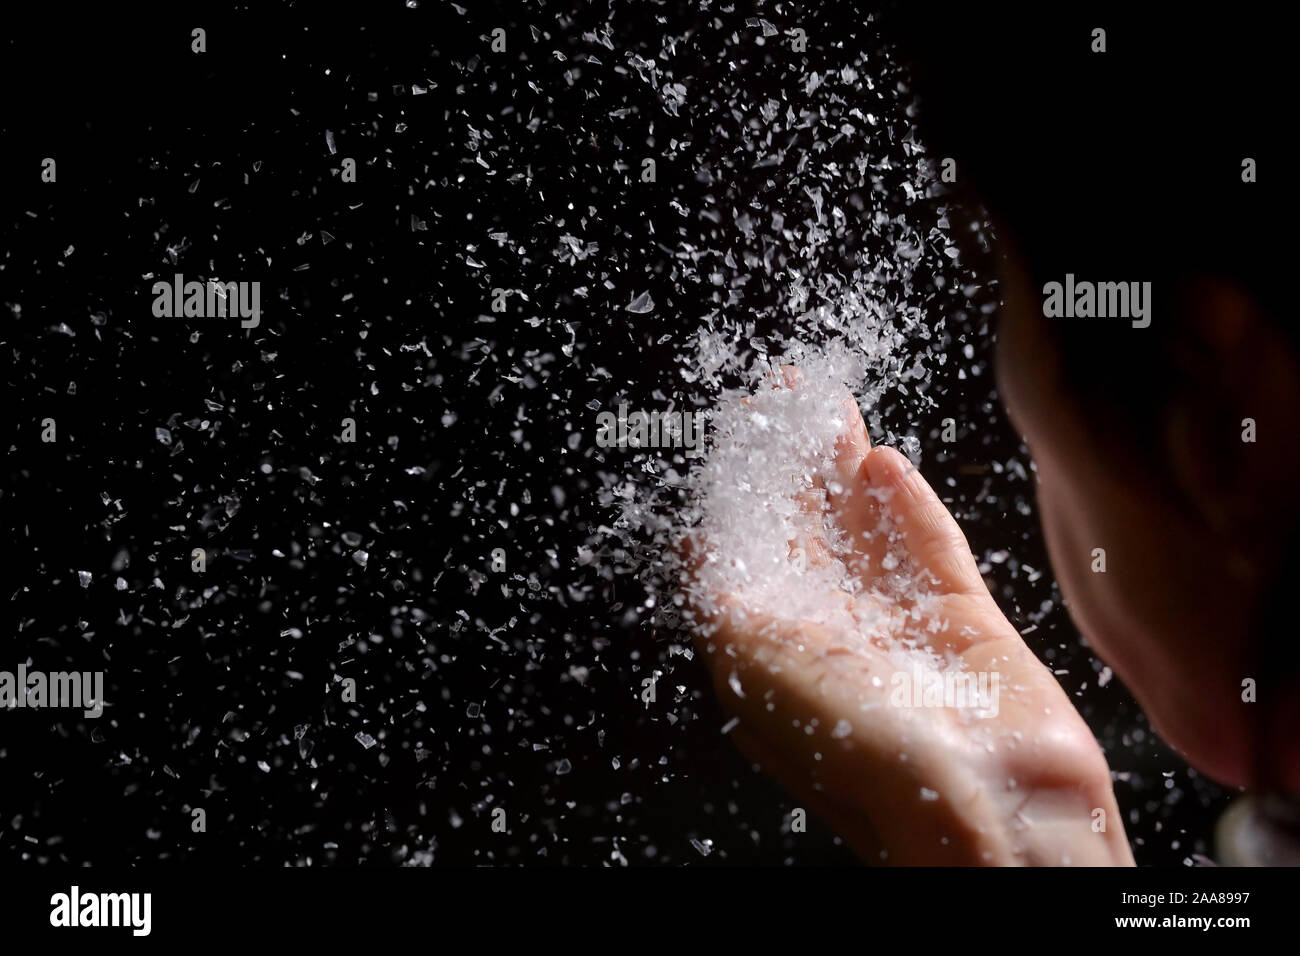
<point>852,447</point>
<point>855,506</point>
<point>786,376</point>
<point>812,538</point>
<point>789,376</point>
<point>930,533</point>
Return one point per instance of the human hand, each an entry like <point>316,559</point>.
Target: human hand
<point>855,713</point>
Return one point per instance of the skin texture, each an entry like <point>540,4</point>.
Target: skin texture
<point>1196,525</point>
<point>1195,522</point>
<point>912,785</point>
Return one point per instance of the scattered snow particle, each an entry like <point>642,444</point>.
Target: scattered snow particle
<point>641,304</point>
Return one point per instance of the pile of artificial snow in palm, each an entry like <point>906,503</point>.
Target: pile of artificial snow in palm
<point>830,228</point>
<point>733,526</point>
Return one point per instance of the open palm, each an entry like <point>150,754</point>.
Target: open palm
<point>860,721</point>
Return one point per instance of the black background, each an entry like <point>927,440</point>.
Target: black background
<point>217,165</point>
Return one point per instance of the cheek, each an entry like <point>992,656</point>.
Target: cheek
<point>1027,364</point>
<point>1016,386</point>
<point>1171,652</point>
<point>1063,550</point>
<point>1093,609</point>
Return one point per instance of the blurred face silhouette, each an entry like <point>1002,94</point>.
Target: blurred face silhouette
<point>1194,522</point>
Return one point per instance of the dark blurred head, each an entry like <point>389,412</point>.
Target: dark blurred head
<point>1126,166</point>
